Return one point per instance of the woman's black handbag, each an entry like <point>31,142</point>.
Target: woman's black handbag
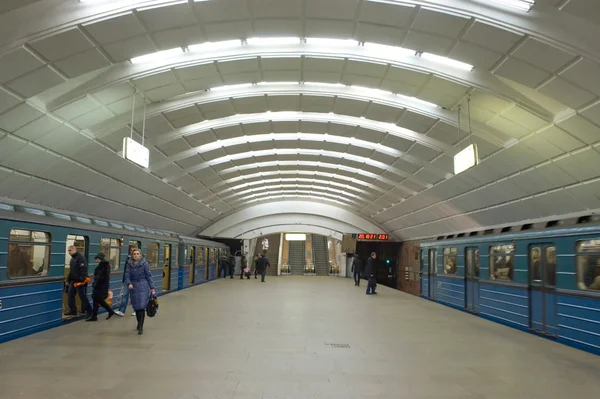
<point>152,306</point>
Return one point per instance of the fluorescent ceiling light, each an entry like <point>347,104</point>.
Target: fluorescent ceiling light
<point>524,5</point>
<point>159,55</point>
<point>447,61</point>
<point>331,42</point>
<point>427,103</point>
<point>213,46</point>
<point>272,41</point>
<point>232,87</point>
<point>295,237</point>
<point>387,51</point>
<point>164,4</point>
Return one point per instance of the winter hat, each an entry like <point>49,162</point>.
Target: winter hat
<point>100,256</point>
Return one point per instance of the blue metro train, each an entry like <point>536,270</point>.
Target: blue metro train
<point>546,282</point>
<point>34,262</point>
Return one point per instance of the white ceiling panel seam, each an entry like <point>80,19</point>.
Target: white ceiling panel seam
<point>58,184</point>
<point>318,187</point>
<point>121,73</point>
<point>540,22</point>
<point>474,192</point>
<point>59,155</point>
<point>362,94</point>
<point>491,156</point>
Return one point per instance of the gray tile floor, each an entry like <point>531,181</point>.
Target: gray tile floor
<point>247,340</point>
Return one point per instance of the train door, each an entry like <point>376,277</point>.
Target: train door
<point>542,289</point>
<point>166,266</point>
<point>81,244</point>
<point>472,280</point>
<point>432,261</point>
<point>192,261</point>
<point>206,268</point>
<point>424,273</point>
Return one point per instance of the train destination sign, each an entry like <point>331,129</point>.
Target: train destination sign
<point>372,237</point>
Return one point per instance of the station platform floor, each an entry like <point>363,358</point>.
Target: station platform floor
<point>249,340</point>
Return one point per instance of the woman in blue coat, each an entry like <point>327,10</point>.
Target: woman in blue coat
<point>139,282</point>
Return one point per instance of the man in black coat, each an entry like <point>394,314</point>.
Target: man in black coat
<point>262,264</point>
<point>77,274</point>
<point>223,266</point>
<point>101,286</point>
<point>357,269</point>
<point>371,272</point>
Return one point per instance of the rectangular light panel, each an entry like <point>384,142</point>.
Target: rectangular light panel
<point>136,153</point>
<point>295,237</point>
<point>466,159</point>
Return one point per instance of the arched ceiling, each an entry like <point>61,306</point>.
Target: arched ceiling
<point>350,103</point>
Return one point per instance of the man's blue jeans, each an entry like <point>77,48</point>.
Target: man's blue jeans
<point>124,298</point>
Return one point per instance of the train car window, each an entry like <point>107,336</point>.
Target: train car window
<point>472,262</point>
<point>175,256</point>
<point>588,264</point>
<point>112,250</point>
<point>449,260</point>
<point>80,243</point>
<point>28,254</point>
<point>201,256</point>
<point>152,254</point>
<point>535,262</point>
<point>551,266</point>
<point>502,262</point>
<point>212,253</point>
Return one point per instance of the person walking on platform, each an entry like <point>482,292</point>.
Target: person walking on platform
<point>223,266</point>
<point>231,265</point>
<point>357,269</point>
<point>139,281</point>
<point>371,272</point>
<point>78,273</point>
<point>124,288</point>
<point>256,259</point>
<point>263,263</point>
<point>101,285</point>
<point>244,266</point>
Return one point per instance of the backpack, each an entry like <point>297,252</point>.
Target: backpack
<point>152,306</point>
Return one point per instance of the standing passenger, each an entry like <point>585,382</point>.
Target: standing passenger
<point>223,266</point>
<point>77,274</point>
<point>101,285</point>
<point>256,259</point>
<point>124,288</point>
<point>371,272</point>
<point>244,266</point>
<point>139,282</point>
<point>357,269</point>
<point>263,263</point>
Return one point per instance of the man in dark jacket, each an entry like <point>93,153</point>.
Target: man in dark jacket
<point>223,266</point>
<point>256,259</point>
<point>262,264</point>
<point>77,274</point>
<point>357,269</point>
<point>371,272</point>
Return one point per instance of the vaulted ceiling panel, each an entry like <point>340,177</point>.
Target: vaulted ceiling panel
<point>510,121</point>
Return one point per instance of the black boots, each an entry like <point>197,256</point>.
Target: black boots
<point>140,315</point>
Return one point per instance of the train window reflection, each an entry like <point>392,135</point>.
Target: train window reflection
<point>502,262</point>
<point>588,265</point>
<point>112,249</point>
<point>28,254</point>
<point>449,260</point>
<point>472,262</point>
<point>152,254</point>
<point>551,266</point>
<point>535,262</point>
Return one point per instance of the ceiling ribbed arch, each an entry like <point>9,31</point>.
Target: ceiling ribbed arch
<point>66,90</point>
